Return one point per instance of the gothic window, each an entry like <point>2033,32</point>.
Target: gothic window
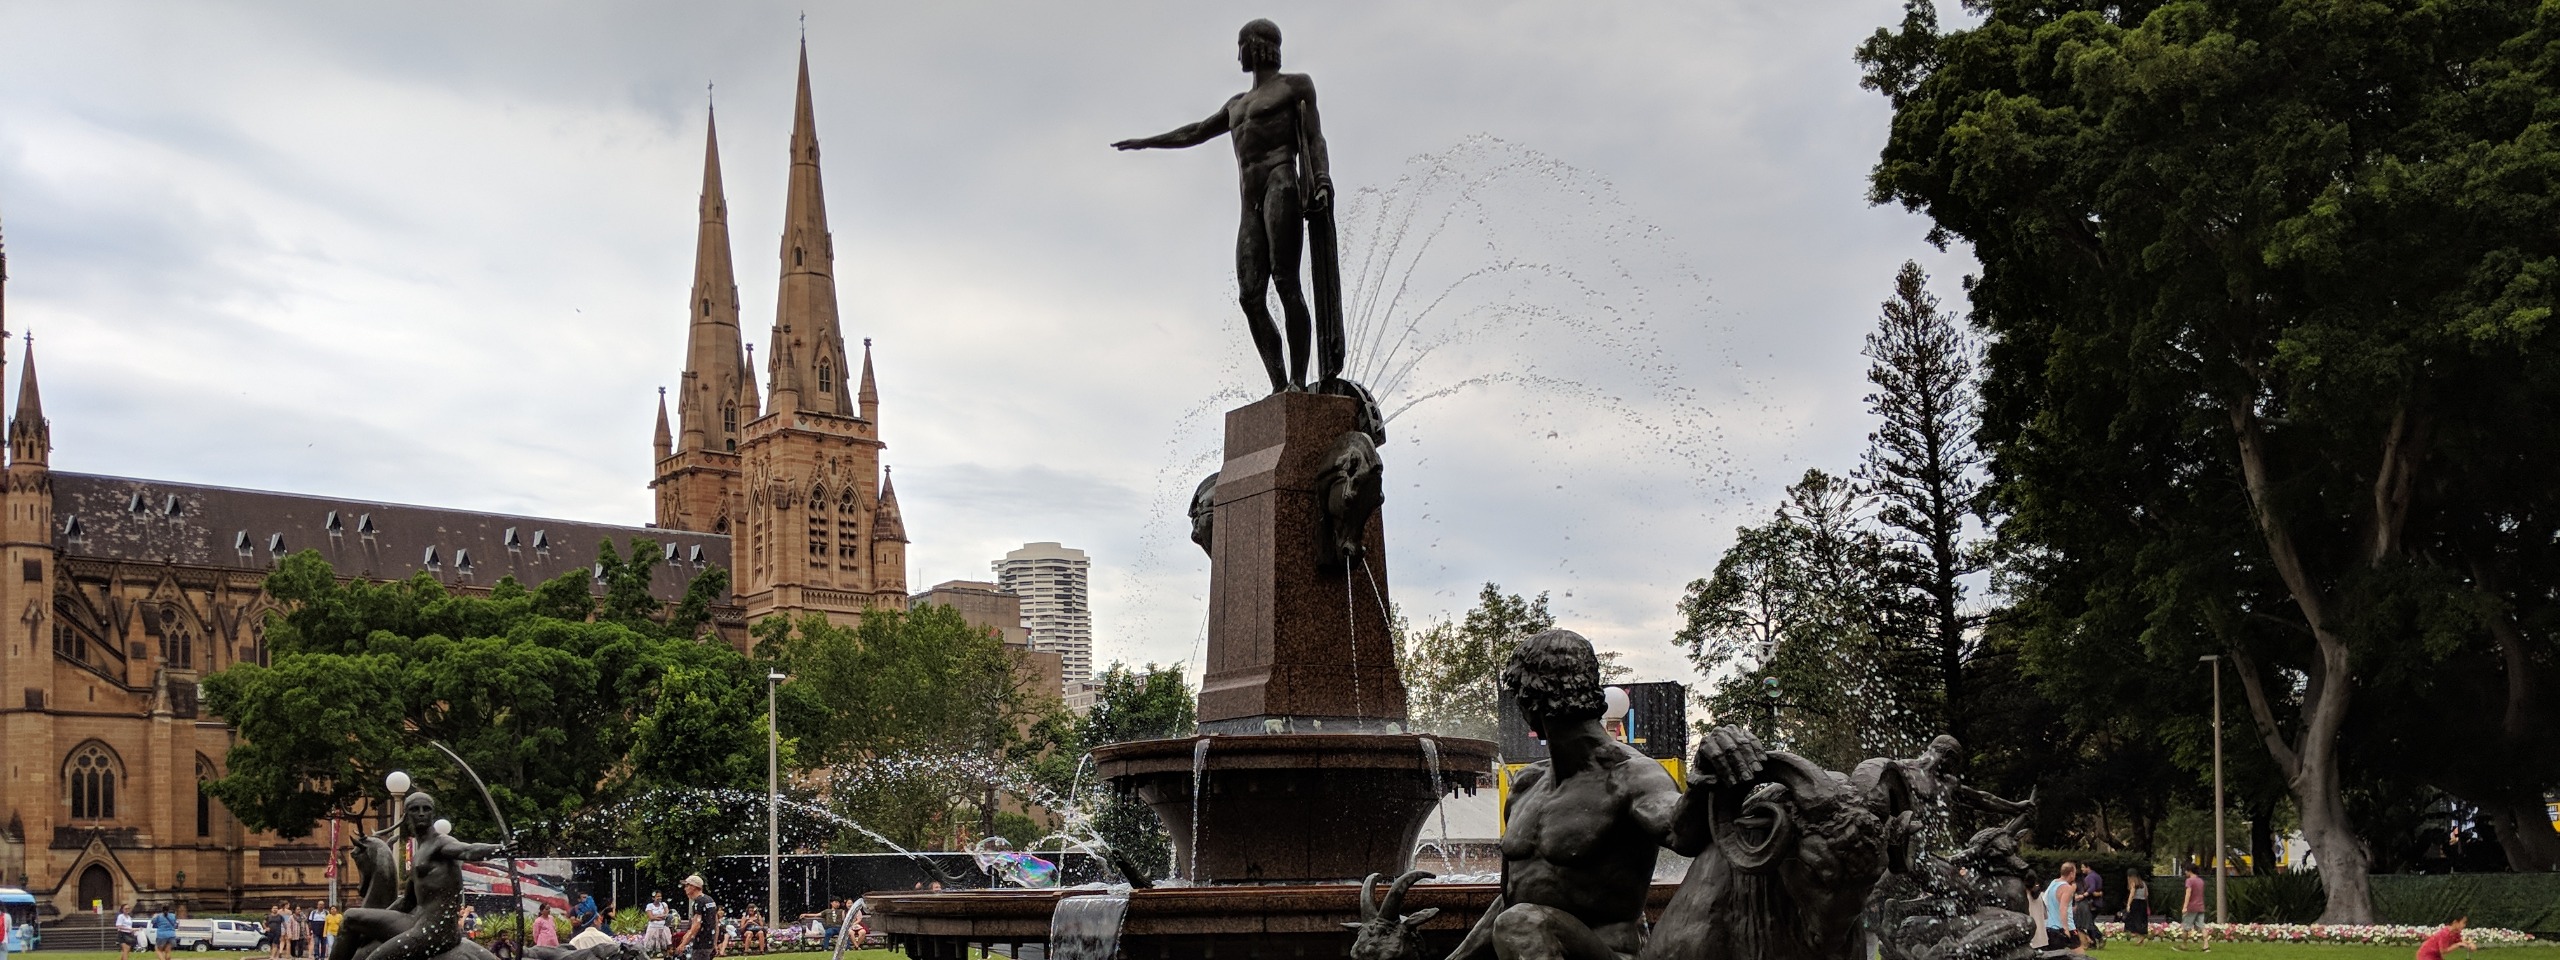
<point>67,641</point>
<point>706,306</point>
<point>177,646</point>
<point>91,773</point>
<point>729,420</point>
<point>826,375</point>
<point>204,801</point>
<point>796,259</point>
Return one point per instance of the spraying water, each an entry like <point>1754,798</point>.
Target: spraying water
<point>1525,331</point>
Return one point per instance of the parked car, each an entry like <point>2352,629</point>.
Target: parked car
<point>221,935</point>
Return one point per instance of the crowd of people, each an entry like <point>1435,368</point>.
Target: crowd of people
<point>695,929</point>
<point>2066,909</point>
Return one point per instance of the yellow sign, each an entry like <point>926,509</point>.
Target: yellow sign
<point>1502,786</point>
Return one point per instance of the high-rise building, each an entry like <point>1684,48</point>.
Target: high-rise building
<point>1054,582</point>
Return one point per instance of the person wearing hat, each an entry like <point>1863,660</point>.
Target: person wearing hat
<point>702,921</point>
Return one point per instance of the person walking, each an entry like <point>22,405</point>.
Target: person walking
<point>297,934</point>
<point>546,928</point>
<point>2093,891</point>
<point>329,928</point>
<point>702,921</point>
<point>2447,938</point>
<point>2137,906</point>
<point>164,931</point>
<point>314,921</point>
<point>124,931</point>
<point>2191,909</point>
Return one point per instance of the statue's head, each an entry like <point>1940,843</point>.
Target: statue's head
<point>1556,678</point>
<point>1353,485</point>
<point>1204,513</point>
<point>419,810</point>
<point>1258,45</point>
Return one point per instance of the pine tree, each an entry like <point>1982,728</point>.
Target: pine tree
<point>1923,470</point>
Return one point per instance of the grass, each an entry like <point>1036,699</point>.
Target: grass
<point>2161,950</point>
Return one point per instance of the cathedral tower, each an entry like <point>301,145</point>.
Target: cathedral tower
<point>821,531</point>
<point>697,478</point>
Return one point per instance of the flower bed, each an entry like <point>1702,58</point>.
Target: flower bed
<point>2387,933</point>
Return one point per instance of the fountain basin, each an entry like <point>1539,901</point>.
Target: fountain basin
<point>1294,807</point>
<point>1183,922</point>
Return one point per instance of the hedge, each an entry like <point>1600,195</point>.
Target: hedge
<point>2516,901</point>
<point>2112,865</point>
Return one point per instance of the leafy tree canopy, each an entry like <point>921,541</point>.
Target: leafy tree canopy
<point>558,714</point>
<point>2267,292</point>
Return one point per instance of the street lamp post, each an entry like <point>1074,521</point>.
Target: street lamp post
<point>2221,866</point>
<point>397,782</point>
<point>772,806</point>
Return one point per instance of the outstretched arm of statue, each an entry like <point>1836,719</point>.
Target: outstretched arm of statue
<point>1187,135</point>
<point>1989,803</point>
<point>476,852</point>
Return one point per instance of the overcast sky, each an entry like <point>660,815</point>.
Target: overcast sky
<point>1611,263</point>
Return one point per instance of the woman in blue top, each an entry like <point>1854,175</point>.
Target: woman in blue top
<point>164,931</point>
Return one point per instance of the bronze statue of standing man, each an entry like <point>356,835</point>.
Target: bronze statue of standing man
<point>1285,179</point>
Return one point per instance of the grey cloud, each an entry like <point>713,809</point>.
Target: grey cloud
<point>466,295</point>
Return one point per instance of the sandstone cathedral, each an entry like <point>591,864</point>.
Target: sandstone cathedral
<point>131,590</point>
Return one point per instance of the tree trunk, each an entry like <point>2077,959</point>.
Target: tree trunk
<point>2262,838</point>
<point>2311,763</point>
<point>2333,840</point>
<point>2526,833</point>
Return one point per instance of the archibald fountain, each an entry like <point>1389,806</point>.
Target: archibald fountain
<point>1302,778</point>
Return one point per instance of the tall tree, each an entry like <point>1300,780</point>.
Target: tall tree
<point>1798,625</point>
<point>1148,703</point>
<point>2264,285</point>
<point>1450,668</point>
<point>923,719</point>
<point>1924,471</point>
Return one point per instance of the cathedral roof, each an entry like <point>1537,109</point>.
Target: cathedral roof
<point>153,521</point>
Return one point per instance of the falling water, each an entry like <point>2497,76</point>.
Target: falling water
<point>1199,775</point>
<point>1087,928</point>
<point>1351,622</point>
<point>1439,792</point>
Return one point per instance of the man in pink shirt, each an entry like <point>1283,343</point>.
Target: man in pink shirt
<point>2191,914</point>
<point>2445,939</point>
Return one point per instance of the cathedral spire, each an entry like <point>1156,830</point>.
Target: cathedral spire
<point>786,380</point>
<point>886,524</point>
<point>716,376</point>
<point>30,437</point>
<point>870,395</point>
<point>664,442</point>
<point>689,410</point>
<point>805,308</point>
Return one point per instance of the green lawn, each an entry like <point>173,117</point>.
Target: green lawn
<point>2159,950</point>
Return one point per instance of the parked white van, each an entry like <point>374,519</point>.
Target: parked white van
<point>221,935</point>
